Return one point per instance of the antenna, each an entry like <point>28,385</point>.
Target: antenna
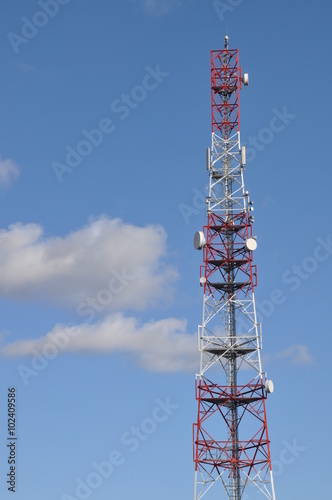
<point>226,41</point>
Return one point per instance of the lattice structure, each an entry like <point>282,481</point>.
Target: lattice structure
<point>231,443</point>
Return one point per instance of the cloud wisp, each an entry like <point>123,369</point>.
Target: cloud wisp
<point>9,172</point>
<point>293,355</point>
<point>296,354</point>
<point>159,7</point>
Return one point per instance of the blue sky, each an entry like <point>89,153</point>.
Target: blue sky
<point>105,118</point>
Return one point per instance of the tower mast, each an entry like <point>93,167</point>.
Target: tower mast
<point>231,444</point>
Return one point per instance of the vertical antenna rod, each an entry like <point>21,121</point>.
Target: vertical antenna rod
<point>231,444</point>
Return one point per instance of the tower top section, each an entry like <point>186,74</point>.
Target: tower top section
<point>226,82</point>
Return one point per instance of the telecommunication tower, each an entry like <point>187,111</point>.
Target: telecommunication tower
<point>231,442</point>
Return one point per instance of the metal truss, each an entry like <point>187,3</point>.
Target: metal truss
<point>231,444</point>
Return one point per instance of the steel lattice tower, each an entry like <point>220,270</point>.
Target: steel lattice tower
<point>231,443</point>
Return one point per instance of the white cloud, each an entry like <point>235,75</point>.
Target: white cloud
<point>107,263</point>
<point>160,346</point>
<point>9,172</point>
<point>296,355</point>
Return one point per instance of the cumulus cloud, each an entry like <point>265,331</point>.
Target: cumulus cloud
<point>107,263</point>
<point>160,346</point>
<point>9,172</point>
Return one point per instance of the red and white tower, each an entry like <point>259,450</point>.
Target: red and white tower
<point>231,443</point>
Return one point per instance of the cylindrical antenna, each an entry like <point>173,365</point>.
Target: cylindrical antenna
<point>226,41</point>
